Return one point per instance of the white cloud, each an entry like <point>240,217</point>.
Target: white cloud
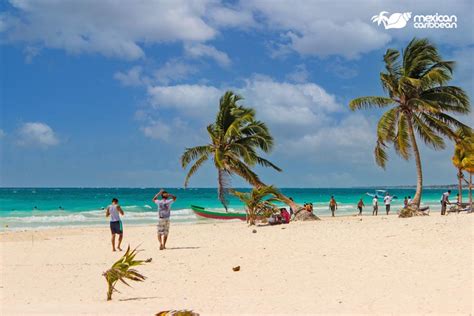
<point>197,50</point>
<point>157,130</point>
<point>192,100</point>
<point>2,133</point>
<point>37,134</point>
<point>174,70</point>
<point>323,28</point>
<point>107,27</point>
<point>227,17</point>
<point>299,75</point>
<point>133,77</point>
<point>287,103</point>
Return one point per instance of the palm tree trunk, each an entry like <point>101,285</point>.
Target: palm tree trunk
<point>222,188</point>
<point>460,177</point>
<point>419,172</point>
<point>470,190</point>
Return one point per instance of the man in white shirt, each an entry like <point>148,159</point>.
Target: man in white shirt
<point>375,204</point>
<point>387,200</point>
<point>164,213</point>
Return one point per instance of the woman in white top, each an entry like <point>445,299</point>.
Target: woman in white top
<point>114,211</point>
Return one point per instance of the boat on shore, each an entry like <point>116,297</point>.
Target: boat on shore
<point>201,211</point>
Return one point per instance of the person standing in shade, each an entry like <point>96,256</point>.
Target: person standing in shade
<point>375,204</point>
<point>387,200</point>
<point>164,213</point>
<point>114,211</point>
<point>332,205</point>
<point>360,205</point>
<point>445,201</point>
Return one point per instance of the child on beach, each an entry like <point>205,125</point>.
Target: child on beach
<point>114,211</point>
<point>332,205</point>
<point>375,204</point>
<point>360,205</point>
<point>164,212</point>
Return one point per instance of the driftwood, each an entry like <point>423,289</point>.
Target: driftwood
<point>303,215</point>
<point>411,211</point>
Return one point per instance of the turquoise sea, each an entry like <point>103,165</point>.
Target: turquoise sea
<point>26,208</point>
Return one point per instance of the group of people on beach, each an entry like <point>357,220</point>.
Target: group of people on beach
<point>162,199</point>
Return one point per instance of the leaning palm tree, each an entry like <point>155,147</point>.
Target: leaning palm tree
<point>122,270</point>
<point>462,141</point>
<point>419,101</point>
<point>234,141</point>
<point>258,201</point>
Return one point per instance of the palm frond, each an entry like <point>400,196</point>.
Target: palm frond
<point>121,271</point>
<point>195,168</point>
<point>370,102</point>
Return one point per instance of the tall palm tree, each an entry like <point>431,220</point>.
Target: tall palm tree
<point>258,200</point>
<point>463,140</point>
<point>419,103</point>
<point>235,139</point>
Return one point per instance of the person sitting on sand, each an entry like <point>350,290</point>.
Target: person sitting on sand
<point>409,201</point>
<point>360,205</point>
<point>375,204</point>
<point>405,202</point>
<point>332,205</point>
<point>114,211</point>
<point>164,213</point>
<point>285,215</point>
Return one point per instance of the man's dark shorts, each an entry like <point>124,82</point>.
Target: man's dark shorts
<point>116,227</point>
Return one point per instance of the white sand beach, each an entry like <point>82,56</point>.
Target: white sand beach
<point>351,265</point>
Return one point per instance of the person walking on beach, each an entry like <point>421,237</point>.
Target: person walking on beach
<point>360,205</point>
<point>387,200</point>
<point>332,205</point>
<point>164,213</point>
<point>375,204</point>
<point>114,211</point>
<point>445,201</point>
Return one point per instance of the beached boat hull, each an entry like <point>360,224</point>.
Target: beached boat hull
<point>201,211</point>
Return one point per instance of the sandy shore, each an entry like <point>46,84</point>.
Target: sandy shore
<point>343,265</point>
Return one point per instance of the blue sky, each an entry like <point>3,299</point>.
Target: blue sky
<point>99,94</point>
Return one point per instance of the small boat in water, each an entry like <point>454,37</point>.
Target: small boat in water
<point>201,211</point>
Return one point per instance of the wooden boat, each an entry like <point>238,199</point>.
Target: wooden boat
<point>201,211</point>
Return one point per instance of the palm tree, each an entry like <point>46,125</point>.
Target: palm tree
<point>235,138</point>
<point>463,158</point>
<point>122,271</point>
<point>420,103</point>
<point>461,150</point>
<point>258,201</point>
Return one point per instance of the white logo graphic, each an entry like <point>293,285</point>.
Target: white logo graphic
<point>394,21</point>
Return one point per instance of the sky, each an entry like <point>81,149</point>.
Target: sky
<point>110,93</point>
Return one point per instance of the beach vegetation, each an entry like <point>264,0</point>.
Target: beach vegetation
<point>236,139</point>
<point>259,202</point>
<point>419,104</point>
<point>123,270</point>
<point>463,159</point>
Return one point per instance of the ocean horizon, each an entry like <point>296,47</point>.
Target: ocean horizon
<point>36,208</point>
